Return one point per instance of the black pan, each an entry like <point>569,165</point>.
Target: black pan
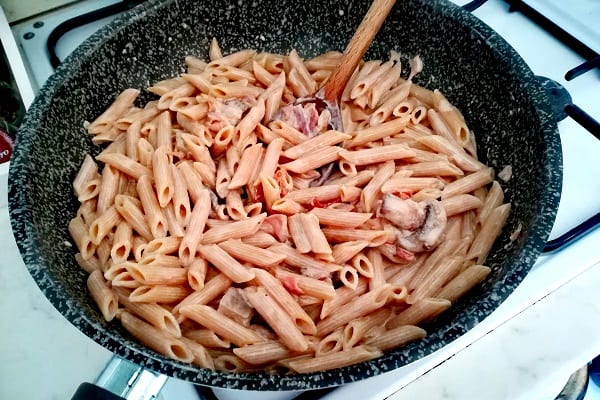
<point>468,61</point>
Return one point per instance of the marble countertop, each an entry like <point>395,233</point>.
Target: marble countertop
<point>43,355</point>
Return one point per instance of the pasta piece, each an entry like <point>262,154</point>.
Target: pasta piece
<point>197,273</point>
<point>460,204</point>
<point>271,159</point>
<point>102,295</point>
<point>191,239</point>
<point>220,324</point>
<point>345,251</point>
<point>103,225</point>
<point>331,343</point>
<point>334,360</point>
<point>250,121</point>
<point>313,160</point>
<point>307,234</point>
<point>235,205</point>
<point>494,198</point>
<point>124,164</point>
<point>444,249</point>
<point>88,180</point>
<point>349,277</point>
<point>211,290</point>
<point>202,357</point>
<point>371,192</point>
<point>374,237</point>
<point>165,101</point>
<point>121,247</point>
<point>277,318</point>
<point>322,193</point>
<point>423,310</point>
<point>131,138</point>
<point>275,288</point>
<point>156,339</point>
<point>87,211</point>
<point>154,314</point>
<point>158,294</point>
<point>109,186</point>
<point>119,276</point>
<point>234,230</point>
<point>452,118</point>
<point>309,264</point>
<point>208,338</point>
<point>117,109</point>
<point>151,275</point>
<point>291,135</point>
<point>377,155</point>
<point>342,219</point>
<point>358,307</point>
<point>376,133</point>
<point>442,145</point>
<point>377,278</point>
<point>397,337</point>
<point>463,282</point>
<point>356,330</point>
<point>225,263</point>
<point>263,353</point>
<point>83,241</point>
<point>154,215</point>
<point>323,140</point>
<point>363,265</point>
<point>468,183</point>
<point>306,285</point>
<point>444,271</point>
<point>252,254</point>
<point>163,176</point>
<point>490,230</point>
<point>433,168</point>
<point>244,172</point>
<point>232,60</point>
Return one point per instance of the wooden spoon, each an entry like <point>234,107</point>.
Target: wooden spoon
<point>329,95</point>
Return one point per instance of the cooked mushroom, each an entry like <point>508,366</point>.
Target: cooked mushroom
<point>418,226</point>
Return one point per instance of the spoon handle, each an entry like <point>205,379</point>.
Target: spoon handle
<point>356,48</point>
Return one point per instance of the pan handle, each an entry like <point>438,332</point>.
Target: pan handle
<point>88,391</point>
<point>122,380</point>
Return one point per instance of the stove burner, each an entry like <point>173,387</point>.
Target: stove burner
<point>82,20</point>
<point>575,44</point>
<point>562,105</point>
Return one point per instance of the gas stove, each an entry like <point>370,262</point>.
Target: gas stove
<point>43,40</point>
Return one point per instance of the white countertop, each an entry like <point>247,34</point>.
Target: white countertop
<point>43,355</point>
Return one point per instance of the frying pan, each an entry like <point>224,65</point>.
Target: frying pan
<point>477,70</point>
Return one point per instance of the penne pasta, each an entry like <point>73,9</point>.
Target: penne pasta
<point>156,339</point>
<point>225,263</point>
<point>102,295</point>
<point>220,324</point>
<point>252,254</point>
<point>237,231</point>
<point>277,318</point>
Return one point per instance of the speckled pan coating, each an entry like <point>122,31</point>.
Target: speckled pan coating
<point>463,57</point>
